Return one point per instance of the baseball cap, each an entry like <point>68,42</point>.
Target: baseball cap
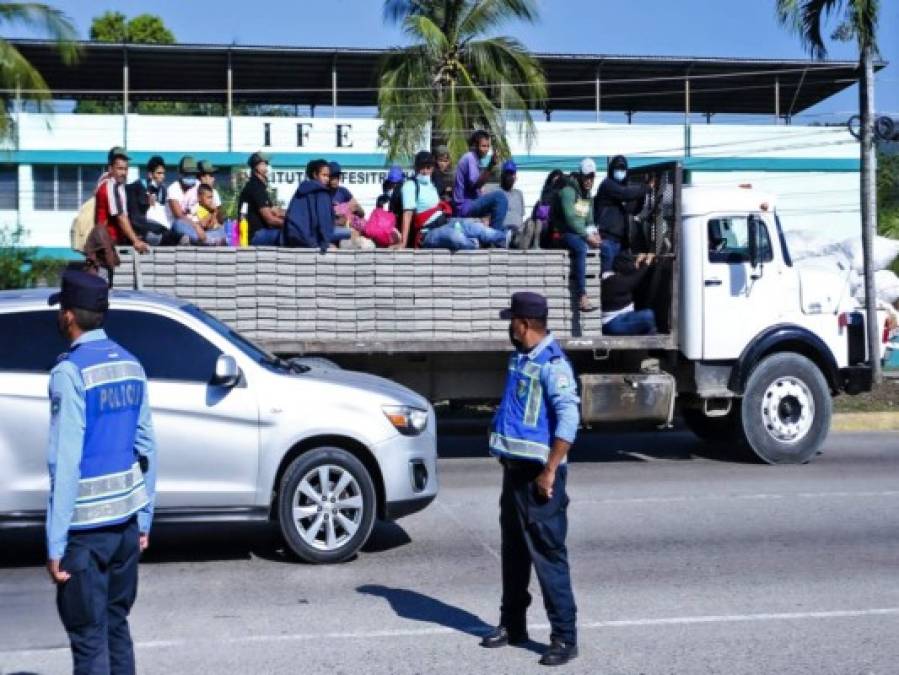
<point>82,291</point>
<point>587,166</point>
<point>205,166</point>
<point>395,174</point>
<point>117,151</point>
<point>526,305</point>
<point>510,166</point>
<point>423,159</point>
<point>187,165</point>
<point>441,151</point>
<point>335,169</point>
<point>257,158</point>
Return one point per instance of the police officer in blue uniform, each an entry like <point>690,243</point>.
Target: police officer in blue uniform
<point>534,428</point>
<point>102,477</point>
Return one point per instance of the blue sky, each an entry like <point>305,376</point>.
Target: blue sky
<point>739,28</point>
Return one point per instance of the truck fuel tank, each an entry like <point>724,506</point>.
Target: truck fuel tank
<point>627,397</point>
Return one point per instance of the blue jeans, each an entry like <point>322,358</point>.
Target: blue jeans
<point>213,237</point>
<point>340,233</point>
<point>577,250</point>
<point>493,204</point>
<point>463,235</point>
<point>608,251</point>
<point>266,237</point>
<point>641,322</point>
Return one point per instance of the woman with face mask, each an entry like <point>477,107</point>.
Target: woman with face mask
<point>615,204</point>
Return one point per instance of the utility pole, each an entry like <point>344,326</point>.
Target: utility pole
<point>869,202</point>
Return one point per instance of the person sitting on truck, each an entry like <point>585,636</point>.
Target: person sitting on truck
<point>473,171</point>
<point>309,222</point>
<point>146,206</point>
<point>571,217</point>
<point>205,213</point>
<point>426,220</point>
<point>619,317</point>
<point>264,220</point>
<point>616,202</point>
<point>515,215</point>
<point>443,175</point>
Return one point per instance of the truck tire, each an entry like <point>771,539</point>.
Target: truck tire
<point>326,505</point>
<point>716,430</point>
<point>786,409</point>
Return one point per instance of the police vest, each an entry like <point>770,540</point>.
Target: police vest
<point>524,424</point>
<point>111,488</point>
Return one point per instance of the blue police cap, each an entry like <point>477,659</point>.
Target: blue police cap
<point>526,305</point>
<point>82,291</point>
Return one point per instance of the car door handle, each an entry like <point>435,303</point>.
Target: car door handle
<point>713,282</point>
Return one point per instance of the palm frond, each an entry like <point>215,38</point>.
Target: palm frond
<point>483,15</point>
<point>424,29</point>
<point>45,19</point>
<point>806,18</point>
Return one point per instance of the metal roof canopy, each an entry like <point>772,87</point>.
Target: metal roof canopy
<point>305,76</point>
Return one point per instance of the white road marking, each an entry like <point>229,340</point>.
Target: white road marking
<point>441,630</point>
<point>760,496</point>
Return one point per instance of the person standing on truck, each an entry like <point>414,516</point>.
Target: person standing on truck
<point>571,216</point>
<point>472,173</point>
<point>102,462</point>
<point>265,221</point>
<point>616,203</point>
<point>533,429</point>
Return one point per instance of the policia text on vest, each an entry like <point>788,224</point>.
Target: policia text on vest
<point>102,463</point>
<point>532,431</point>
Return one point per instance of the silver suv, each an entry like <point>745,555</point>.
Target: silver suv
<point>241,434</point>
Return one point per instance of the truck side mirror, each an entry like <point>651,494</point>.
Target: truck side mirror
<point>755,258</point>
<point>227,372</point>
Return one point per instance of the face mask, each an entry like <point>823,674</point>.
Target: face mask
<point>189,181</point>
<point>619,175</point>
<point>484,162</point>
<point>519,347</point>
<point>423,180</point>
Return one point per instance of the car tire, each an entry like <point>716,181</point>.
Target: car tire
<point>330,524</point>
<point>786,409</point>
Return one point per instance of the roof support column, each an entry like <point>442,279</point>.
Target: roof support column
<point>18,118</point>
<point>598,93</point>
<point>334,87</point>
<point>687,117</point>
<point>229,103</point>
<point>776,101</point>
<point>125,98</point>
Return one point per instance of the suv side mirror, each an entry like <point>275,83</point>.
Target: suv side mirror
<point>755,258</point>
<point>227,372</point>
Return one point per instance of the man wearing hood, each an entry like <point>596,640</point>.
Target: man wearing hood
<point>571,215</point>
<point>309,222</point>
<point>615,203</point>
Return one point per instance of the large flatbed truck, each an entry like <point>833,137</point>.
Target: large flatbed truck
<point>751,347</point>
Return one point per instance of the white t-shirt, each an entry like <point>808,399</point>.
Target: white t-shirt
<point>187,198</point>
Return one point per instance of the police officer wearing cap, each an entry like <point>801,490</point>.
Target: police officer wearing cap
<point>102,463</point>
<point>532,431</point>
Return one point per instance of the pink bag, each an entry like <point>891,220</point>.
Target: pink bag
<point>381,228</point>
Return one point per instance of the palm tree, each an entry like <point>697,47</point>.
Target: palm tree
<point>455,77</point>
<point>859,21</point>
<point>16,73</point>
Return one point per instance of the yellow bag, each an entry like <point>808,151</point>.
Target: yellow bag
<point>83,224</point>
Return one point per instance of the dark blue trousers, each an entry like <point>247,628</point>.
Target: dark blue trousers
<point>533,534</point>
<point>94,603</point>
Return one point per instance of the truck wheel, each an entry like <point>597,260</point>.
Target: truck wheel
<point>326,505</point>
<point>786,409</point>
<point>724,429</point>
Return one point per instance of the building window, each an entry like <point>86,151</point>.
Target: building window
<point>9,187</point>
<point>64,187</point>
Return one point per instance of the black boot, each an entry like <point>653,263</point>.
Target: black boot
<point>559,653</point>
<point>502,636</point>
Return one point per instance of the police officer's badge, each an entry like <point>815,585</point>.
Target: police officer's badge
<point>522,391</point>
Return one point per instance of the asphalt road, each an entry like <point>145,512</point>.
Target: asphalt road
<point>682,563</point>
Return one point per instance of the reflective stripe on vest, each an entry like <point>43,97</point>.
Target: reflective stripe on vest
<point>110,498</point>
<point>518,447</point>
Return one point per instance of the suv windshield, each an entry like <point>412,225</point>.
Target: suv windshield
<point>255,352</point>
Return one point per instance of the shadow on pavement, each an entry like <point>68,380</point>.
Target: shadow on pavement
<point>455,441</point>
<point>419,607</point>
<point>196,542</point>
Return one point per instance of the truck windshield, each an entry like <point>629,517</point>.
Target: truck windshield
<point>255,352</point>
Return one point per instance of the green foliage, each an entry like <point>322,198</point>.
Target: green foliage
<point>454,77</point>
<point>15,70</point>
<point>142,29</point>
<point>19,267</point>
<point>888,197</point>
<point>807,18</point>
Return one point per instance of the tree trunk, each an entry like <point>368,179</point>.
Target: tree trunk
<point>869,204</point>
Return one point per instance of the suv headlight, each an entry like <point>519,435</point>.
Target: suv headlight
<point>407,420</point>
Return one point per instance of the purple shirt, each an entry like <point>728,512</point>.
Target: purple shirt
<point>467,173</point>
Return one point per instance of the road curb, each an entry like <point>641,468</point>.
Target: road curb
<point>869,421</point>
